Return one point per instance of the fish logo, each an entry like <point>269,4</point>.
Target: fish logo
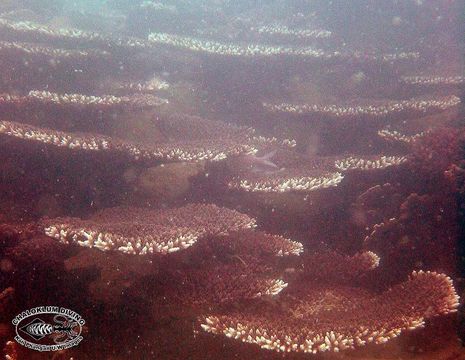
<point>48,328</point>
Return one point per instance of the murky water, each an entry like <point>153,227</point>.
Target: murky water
<point>201,179</point>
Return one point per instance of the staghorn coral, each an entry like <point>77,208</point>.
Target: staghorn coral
<point>334,319</point>
<point>144,231</point>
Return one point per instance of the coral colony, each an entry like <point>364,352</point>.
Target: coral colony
<point>131,175</point>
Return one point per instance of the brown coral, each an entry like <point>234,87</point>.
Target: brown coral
<point>12,48</point>
<point>295,179</point>
<point>206,149</point>
<point>322,319</point>
<point>26,30</point>
<point>332,267</point>
<point>81,101</point>
<point>227,269</point>
<point>369,162</point>
<point>373,109</point>
<point>144,231</point>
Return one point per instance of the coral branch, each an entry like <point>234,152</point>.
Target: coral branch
<point>39,32</point>
<point>182,126</point>
<point>30,49</point>
<point>218,284</point>
<point>84,101</point>
<point>431,80</point>
<point>331,267</point>
<point>193,150</point>
<point>319,173</point>
<point>369,163</point>
<point>292,172</point>
<point>145,231</point>
<point>259,244</point>
<point>396,136</point>
<point>228,269</point>
<point>320,320</point>
<point>214,47</point>
<point>294,179</point>
<point>259,50</point>
<point>283,30</point>
<point>150,86</point>
<point>375,109</point>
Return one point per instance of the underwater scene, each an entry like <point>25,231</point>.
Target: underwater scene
<point>232,179</point>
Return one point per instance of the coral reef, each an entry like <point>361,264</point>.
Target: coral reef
<point>195,150</point>
<point>374,109</point>
<point>341,318</point>
<point>289,175</point>
<point>299,179</point>
<point>143,231</point>
<point>80,100</point>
